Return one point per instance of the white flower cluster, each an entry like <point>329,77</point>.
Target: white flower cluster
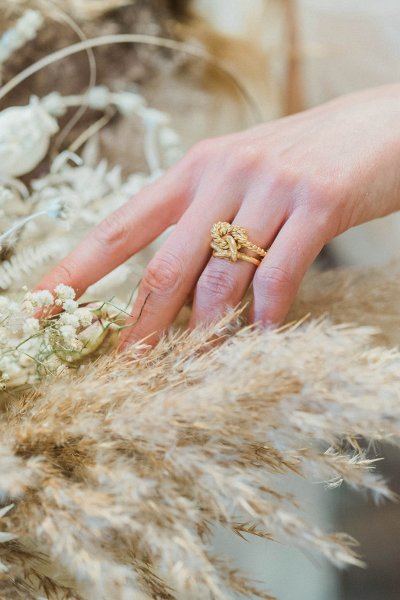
<point>25,30</point>
<point>43,218</point>
<point>35,338</point>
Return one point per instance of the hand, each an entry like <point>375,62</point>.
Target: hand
<point>294,184</point>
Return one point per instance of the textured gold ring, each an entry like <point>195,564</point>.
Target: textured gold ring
<point>228,240</point>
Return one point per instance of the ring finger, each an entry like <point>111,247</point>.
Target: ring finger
<point>223,283</point>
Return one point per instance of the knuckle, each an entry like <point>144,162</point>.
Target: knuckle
<point>322,204</point>
<point>316,192</point>
<point>113,231</point>
<point>324,223</point>
<point>199,151</point>
<point>205,150</point>
<point>63,273</point>
<point>326,220</point>
<point>274,282</point>
<point>250,156</point>
<point>243,160</point>
<point>163,274</point>
<point>216,284</point>
<point>66,273</point>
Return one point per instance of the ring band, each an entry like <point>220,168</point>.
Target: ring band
<point>227,241</point>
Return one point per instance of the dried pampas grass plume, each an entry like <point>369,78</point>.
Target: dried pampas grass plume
<point>115,474</point>
<point>354,295</point>
<point>118,474</point>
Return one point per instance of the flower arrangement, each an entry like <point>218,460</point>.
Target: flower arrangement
<point>119,475</point>
<point>35,342</point>
<point>43,216</point>
<point>115,471</point>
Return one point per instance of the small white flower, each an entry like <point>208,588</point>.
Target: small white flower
<point>27,306</point>
<point>9,366</point>
<point>68,332</point>
<point>69,319</point>
<point>69,336</point>
<point>85,316</point>
<point>45,298</point>
<point>39,298</point>
<point>65,292</point>
<point>8,307</point>
<point>70,306</point>
<point>31,326</point>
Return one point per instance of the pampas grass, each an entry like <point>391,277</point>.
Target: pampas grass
<point>115,474</point>
<point>120,472</point>
<point>354,295</point>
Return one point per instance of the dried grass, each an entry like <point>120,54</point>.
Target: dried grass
<point>119,472</point>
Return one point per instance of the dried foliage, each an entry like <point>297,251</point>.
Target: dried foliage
<point>119,473</point>
<point>119,67</point>
<point>353,295</point>
<point>114,475</point>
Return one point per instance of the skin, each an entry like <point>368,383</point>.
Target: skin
<point>294,184</point>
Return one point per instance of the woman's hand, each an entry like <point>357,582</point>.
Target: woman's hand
<point>294,184</point>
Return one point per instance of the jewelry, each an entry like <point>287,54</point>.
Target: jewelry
<point>228,239</point>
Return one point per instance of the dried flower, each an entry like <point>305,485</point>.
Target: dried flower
<point>31,326</point>
<point>70,306</point>
<point>85,316</point>
<point>117,475</point>
<point>65,292</point>
<point>38,299</point>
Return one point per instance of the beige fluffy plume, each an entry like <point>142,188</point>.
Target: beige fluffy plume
<point>114,475</point>
<point>113,478</point>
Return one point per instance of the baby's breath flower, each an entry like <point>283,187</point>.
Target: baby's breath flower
<point>69,319</point>
<point>9,366</point>
<point>39,299</point>
<point>65,292</point>
<point>68,332</point>
<point>8,307</point>
<point>85,316</point>
<point>70,306</point>
<point>27,306</point>
<point>30,326</point>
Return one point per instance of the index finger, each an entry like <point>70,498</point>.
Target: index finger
<point>123,233</point>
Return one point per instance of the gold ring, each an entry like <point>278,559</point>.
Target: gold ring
<point>227,241</point>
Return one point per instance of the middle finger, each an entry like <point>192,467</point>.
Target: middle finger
<point>172,274</point>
